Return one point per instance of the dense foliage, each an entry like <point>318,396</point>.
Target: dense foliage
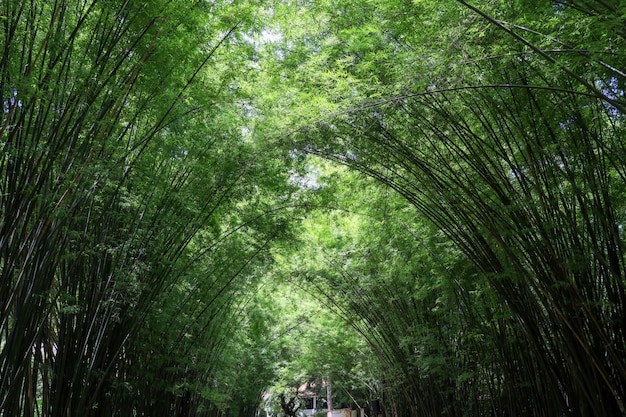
<point>206,204</point>
<point>135,224</point>
<point>502,124</point>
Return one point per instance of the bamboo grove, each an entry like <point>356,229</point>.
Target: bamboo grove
<point>129,228</point>
<point>446,177</point>
<point>515,154</point>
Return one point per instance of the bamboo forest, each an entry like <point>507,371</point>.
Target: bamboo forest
<point>313,208</point>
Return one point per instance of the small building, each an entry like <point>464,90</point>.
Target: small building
<point>313,396</point>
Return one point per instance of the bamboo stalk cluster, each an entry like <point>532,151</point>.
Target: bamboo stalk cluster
<point>518,162</point>
<point>111,186</point>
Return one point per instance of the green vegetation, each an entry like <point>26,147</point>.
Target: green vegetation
<point>206,204</point>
